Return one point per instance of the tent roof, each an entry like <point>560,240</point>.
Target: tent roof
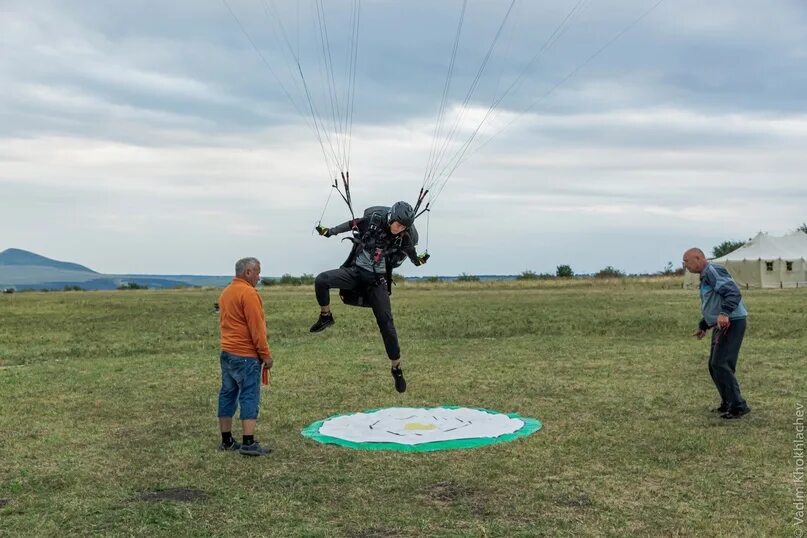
<point>792,246</point>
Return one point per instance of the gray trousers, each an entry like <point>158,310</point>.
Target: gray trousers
<point>723,362</point>
<point>374,288</point>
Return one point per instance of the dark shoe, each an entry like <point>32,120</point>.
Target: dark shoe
<point>736,412</point>
<point>724,407</point>
<point>322,323</point>
<point>255,449</point>
<point>234,445</point>
<point>400,382</point>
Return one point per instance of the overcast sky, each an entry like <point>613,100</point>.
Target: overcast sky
<point>152,137</point>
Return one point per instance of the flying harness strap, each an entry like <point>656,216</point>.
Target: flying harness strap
<point>372,241</point>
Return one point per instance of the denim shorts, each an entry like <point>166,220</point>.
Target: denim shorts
<point>240,386</point>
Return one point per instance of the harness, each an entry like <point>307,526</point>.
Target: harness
<point>374,240</point>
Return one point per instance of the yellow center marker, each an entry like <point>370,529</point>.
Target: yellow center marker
<point>419,426</point>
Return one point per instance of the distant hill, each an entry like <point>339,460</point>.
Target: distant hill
<point>23,270</point>
<point>39,277</point>
<point>16,256</point>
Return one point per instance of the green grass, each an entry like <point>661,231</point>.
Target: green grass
<point>106,396</point>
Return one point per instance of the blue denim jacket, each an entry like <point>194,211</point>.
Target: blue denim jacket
<point>719,295</point>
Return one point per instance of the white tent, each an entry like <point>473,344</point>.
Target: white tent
<point>766,262</point>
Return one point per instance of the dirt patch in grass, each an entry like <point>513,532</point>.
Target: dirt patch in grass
<point>448,492</point>
<point>173,494</point>
<point>479,507</point>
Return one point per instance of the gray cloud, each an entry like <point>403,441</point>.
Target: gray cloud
<point>138,137</point>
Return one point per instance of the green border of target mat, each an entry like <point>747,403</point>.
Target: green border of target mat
<point>531,425</point>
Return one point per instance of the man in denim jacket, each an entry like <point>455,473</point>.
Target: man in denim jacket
<point>724,312</point>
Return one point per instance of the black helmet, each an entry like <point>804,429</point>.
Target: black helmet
<point>401,212</point>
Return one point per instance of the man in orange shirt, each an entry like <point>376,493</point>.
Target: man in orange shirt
<point>244,350</point>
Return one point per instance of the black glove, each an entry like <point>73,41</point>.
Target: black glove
<point>321,230</point>
<point>423,258</point>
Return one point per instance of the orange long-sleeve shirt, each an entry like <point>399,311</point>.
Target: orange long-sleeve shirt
<point>243,325</point>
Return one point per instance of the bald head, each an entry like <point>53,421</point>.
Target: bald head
<point>694,260</point>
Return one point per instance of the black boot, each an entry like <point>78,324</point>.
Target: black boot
<point>400,382</point>
<point>324,321</point>
<point>736,412</point>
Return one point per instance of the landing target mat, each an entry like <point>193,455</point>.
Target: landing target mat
<point>421,429</point>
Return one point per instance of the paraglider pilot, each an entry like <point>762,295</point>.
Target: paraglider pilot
<point>382,239</point>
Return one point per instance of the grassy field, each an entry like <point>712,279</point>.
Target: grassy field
<point>109,399</point>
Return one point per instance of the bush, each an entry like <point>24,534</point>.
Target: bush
<point>289,280</point>
<point>532,275</point>
<point>132,286</point>
<point>609,272</point>
<point>398,277</point>
<point>432,279</point>
<point>669,271</point>
<point>467,278</point>
<point>73,288</point>
<point>268,282</point>
<point>564,271</point>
